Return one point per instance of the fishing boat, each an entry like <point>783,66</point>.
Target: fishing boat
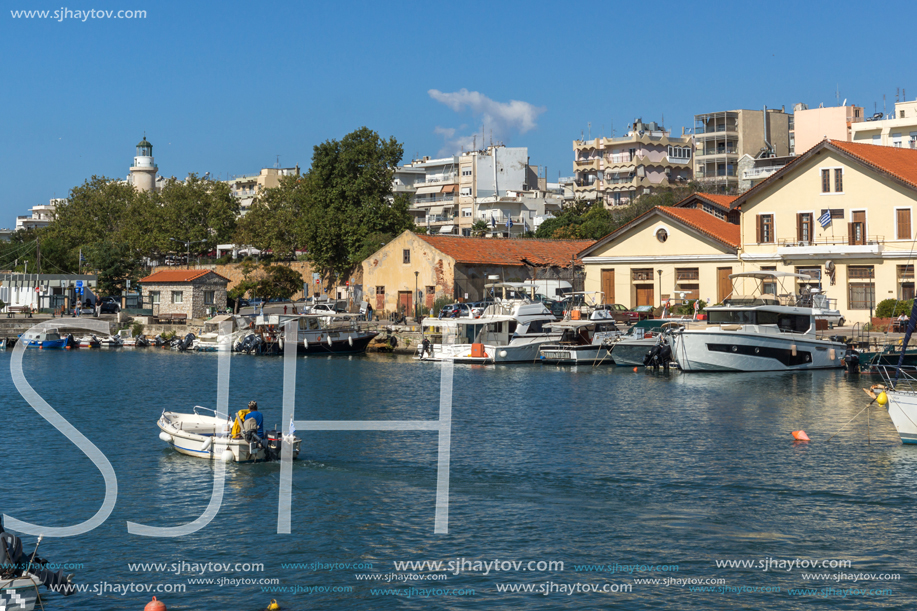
<point>210,436</point>
<point>212,338</point>
<point>93,341</point>
<point>45,340</point>
<point>316,335</point>
<point>581,342</point>
<point>757,332</point>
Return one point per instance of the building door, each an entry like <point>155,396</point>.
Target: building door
<point>644,295</point>
<point>723,285</point>
<point>608,285</point>
<point>405,303</point>
<point>857,229</point>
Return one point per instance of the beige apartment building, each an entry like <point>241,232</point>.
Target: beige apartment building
<point>899,130</point>
<point>246,187</point>
<point>812,125</point>
<point>618,170</point>
<point>859,253</point>
<point>722,138</point>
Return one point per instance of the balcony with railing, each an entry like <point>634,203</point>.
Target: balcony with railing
<point>439,219</point>
<point>717,150</point>
<point>619,158</point>
<point>829,241</point>
<point>434,201</point>
<point>584,165</point>
<point>759,173</point>
<point>437,178</point>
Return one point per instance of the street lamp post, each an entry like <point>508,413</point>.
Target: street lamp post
<point>188,248</point>
<point>659,271</point>
<point>416,316</point>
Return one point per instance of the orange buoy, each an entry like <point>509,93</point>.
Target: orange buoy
<point>800,436</point>
<point>635,370</point>
<point>154,605</point>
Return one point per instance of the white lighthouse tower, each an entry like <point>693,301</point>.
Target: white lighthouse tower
<point>143,172</point>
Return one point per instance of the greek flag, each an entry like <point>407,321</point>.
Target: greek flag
<point>493,222</point>
<point>292,427</point>
<point>509,223</point>
<point>825,219</point>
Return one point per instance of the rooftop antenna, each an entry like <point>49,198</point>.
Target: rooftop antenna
<point>590,129</point>
<point>837,93</point>
<point>897,94</point>
<point>277,164</point>
<point>612,129</point>
<point>884,109</point>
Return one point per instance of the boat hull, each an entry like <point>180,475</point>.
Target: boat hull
<point>717,350</point>
<point>19,594</point>
<point>575,355</point>
<point>520,350</point>
<point>58,344</point>
<point>631,353</point>
<point>902,409</point>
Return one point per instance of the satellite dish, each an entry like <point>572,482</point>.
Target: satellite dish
<point>829,265</point>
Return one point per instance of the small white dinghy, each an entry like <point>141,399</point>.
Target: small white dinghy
<point>210,437</point>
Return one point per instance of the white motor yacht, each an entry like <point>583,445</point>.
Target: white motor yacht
<point>757,332</point>
<point>512,330</point>
<point>582,342</point>
<point>211,340</point>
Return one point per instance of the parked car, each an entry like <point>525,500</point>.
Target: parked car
<point>109,305</point>
<point>621,313</point>
<point>323,308</point>
<point>477,309</point>
<point>456,310</point>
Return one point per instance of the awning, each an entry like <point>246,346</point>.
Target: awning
<point>450,188</point>
<point>446,228</point>
<point>428,190</point>
<point>435,210</point>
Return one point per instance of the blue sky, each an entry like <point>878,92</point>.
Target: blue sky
<point>226,87</point>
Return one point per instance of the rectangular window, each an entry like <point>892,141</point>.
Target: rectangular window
<point>905,282</point>
<point>838,180</point>
<point>465,191</point>
<point>154,296</point>
<point>466,212</point>
<point>687,274</point>
<point>804,227</point>
<point>904,224</point>
<point>178,296</point>
<point>406,256</point>
<point>209,297</point>
<point>466,171</point>
<point>826,181</point>
<point>861,288</point>
<point>765,228</point>
<point>642,275</point>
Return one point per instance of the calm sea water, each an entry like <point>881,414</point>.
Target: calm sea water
<point>584,466</point>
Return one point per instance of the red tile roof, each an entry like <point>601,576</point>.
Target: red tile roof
<point>706,223</point>
<point>720,200</point>
<point>901,163</point>
<point>702,222</point>
<point>180,275</point>
<point>497,251</point>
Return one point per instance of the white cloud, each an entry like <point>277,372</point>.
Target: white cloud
<point>445,132</point>
<point>502,117</point>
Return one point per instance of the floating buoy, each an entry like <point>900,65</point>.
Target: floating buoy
<point>154,605</point>
<point>273,606</point>
<point>882,398</point>
<point>635,370</point>
<point>800,436</point>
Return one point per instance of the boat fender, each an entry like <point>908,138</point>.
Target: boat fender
<point>503,354</point>
<point>165,437</point>
<point>280,343</point>
<point>882,398</point>
<point>350,340</point>
<point>329,340</point>
<point>155,605</point>
<point>227,456</point>
<point>305,342</point>
<point>207,443</point>
<point>793,349</point>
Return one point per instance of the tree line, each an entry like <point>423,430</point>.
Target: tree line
<point>338,210</point>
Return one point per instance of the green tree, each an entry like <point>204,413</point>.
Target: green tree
<point>479,229</point>
<point>115,265</point>
<point>196,210</point>
<point>349,196</point>
<point>279,281</point>
<point>276,219</point>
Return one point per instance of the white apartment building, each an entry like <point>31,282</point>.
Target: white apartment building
<point>40,216</point>
<point>898,130</point>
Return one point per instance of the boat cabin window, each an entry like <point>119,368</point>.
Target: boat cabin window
<point>730,317</point>
<point>536,326</point>
<point>308,323</point>
<point>796,323</point>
